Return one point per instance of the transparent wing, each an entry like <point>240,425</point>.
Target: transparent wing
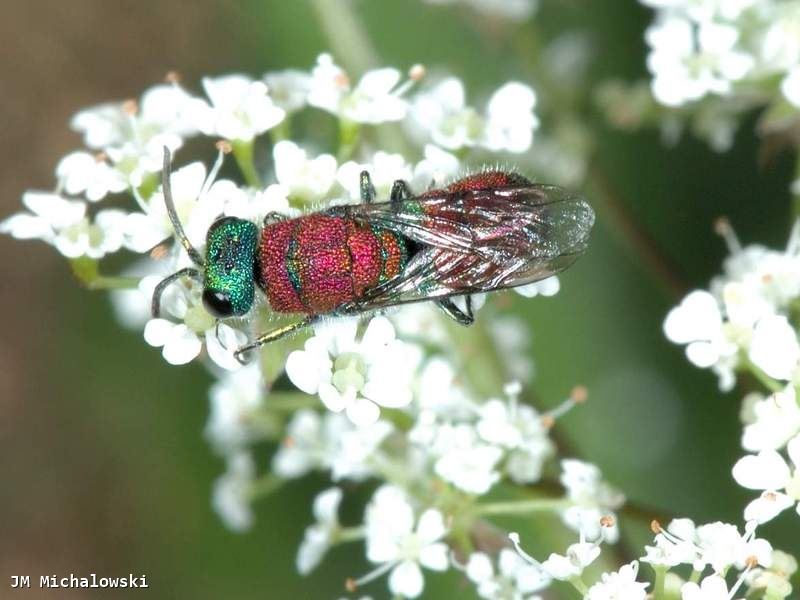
<point>480,240</point>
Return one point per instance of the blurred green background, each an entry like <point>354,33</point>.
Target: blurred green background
<point>104,468</point>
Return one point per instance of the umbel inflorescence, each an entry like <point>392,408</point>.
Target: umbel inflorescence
<point>384,403</point>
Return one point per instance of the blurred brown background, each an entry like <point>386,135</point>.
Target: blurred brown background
<point>70,501</point>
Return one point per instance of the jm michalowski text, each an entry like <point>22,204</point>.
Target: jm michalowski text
<point>92,580</point>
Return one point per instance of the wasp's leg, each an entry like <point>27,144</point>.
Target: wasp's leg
<point>400,191</point>
<point>155,305</point>
<point>351,309</point>
<point>366,188</point>
<point>274,217</point>
<point>451,310</point>
<point>217,335</point>
<point>272,336</point>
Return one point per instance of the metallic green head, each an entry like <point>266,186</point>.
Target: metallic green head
<point>229,280</point>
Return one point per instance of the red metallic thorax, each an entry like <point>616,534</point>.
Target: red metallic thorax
<point>316,263</point>
<point>485,180</point>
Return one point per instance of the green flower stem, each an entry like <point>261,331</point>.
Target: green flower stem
<point>579,585</point>
<point>345,35</point>
<point>768,382</point>
<point>391,472</point>
<point>150,183</point>
<point>282,131</point>
<point>264,486</point>
<point>273,356</point>
<point>537,505</point>
<point>695,576</point>
<point>243,153</point>
<point>352,47</point>
<point>290,401</point>
<point>113,283</point>
<point>462,540</point>
<point>402,420</point>
<point>87,270</point>
<point>349,534</point>
<point>349,135</point>
<point>658,588</point>
<point>264,425</point>
<point>477,357</point>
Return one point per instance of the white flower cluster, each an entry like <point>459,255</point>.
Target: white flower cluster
<point>441,451</point>
<point>380,399</point>
<point>405,522</point>
<point>387,399</point>
<point>770,472</point>
<point>472,445</point>
<point>700,48</point>
<point>125,144</point>
<point>743,320</point>
<point>356,376</point>
<point>760,569</point>
<point>757,570</point>
<point>441,444</point>
<point>442,115</point>
<point>696,49</point>
<point>745,323</point>
<point>713,61</point>
<point>128,139</point>
<point>716,545</point>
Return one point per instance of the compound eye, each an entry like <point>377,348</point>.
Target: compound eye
<point>217,303</point>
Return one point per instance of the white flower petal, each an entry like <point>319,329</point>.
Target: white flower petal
<point>182,346</point>
<point>24,226</point>
<point>379,81</point>
<point>545,287</point>
<point>479,567</point>
<point>583,554</point>
<point>431,526</point>
<point>766,470</point>
<point>332,399</point>
<point>790,86</point>
<point>298,371</point>
<point>363,412</point>
<point>378,334</point>
<point>696,318</point>
<point>793,448</point>
<point>774,347</point>
<point>315,544</point>
<point>406,580</point>
<point>560,567</point>
<point>435,557</point>
<point>157,331</point>
<point>702,354</point>
<point>326,505</point>
<point>223,353</point>
<point>712,587</point>
<point>767,506</point>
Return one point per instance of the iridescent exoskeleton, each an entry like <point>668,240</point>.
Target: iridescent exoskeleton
<point>489,231</point>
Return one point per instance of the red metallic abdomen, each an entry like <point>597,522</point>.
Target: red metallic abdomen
<point>316,263</point>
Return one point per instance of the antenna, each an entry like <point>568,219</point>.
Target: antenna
<point>173,214</point>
